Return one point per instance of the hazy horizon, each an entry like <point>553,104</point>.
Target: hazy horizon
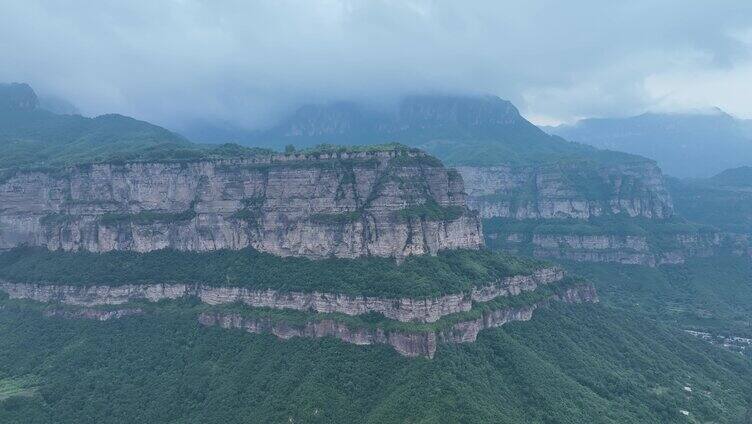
<point>249,63</point>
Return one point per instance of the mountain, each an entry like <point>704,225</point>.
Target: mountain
<point>740,178</point>
<point>460,130</point>
<point>57,105</point>
<point>684,144</point>
<point>570,364</point>
<point>384,201</point>
<point>723,200</point>
<point>497,151</point>
<point>537,194</point>
<point>32,136</point>
<point>144,278</point>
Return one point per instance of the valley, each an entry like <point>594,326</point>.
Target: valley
<point>451,262</point>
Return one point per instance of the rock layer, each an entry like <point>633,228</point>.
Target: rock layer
<point>93,314</point>
<point>626,249</point>
<point>401,309</point>
<point>575,190</point>
<point>331,204</point>
<point>410,344</point>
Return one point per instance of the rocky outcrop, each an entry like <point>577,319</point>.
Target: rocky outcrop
<point>674,249</point>
<point>578,190</point>
<point>467,331</point>
<point>410,344</point>
<point>407,344</point>
<point>93,314</point>
<point>649,250</point>
<point>17,96</point>
<point>390,203</point>
<point>400,309</point>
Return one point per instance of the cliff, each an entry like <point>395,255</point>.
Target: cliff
<point>578,190</point>
<point>93,314</point>
<point>628,249</point>
<point>406,343</point>
<point>400,309</point>
<point>389,203</point>
<point>636,242</point>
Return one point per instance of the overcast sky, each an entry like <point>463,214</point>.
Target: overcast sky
<point>249,62</point>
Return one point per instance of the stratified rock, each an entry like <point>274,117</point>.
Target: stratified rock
<point>93,314</point>
<point>406,343</point>
<point>575,190</point>
<point>653,250</point>
<point>401,309</point>
<point>390,203</point>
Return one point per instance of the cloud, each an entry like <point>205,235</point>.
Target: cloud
<point>249,62</point>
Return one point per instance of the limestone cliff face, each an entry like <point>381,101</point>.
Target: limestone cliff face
<point>330,204</point>
<point>575,190</point>
<point>404,309</point>
<point>411,344</point>
<point>406,344</point>
<point>93,314</point>
<point>625,249</point>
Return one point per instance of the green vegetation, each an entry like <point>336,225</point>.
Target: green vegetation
<point>736,177</point>
<point>724,201</point>
<point>417,276</point>
<point>337,218</point>
<point>430,210</point>
<point>479,131</point>
<point>659,234</point>
<point>369,148</point>
<point>375,320</point>
<point>570,364</point>
<point>34,138</point>
<point>705,294</point>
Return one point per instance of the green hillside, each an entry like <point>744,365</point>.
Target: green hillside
<point>459,130</point>
<point>570,364</point>
<point>34,137</point>
<point>705,294</point>
<point>451,271</point>
<point>724,200</point>
<point>683,144</point>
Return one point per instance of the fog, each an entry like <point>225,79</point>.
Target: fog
<point>249,62</point>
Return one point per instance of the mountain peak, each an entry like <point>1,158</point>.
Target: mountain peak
<point>18,96</point>
<point>463,111</point>
<point>417,112</point>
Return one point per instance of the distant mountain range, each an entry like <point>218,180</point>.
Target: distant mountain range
<point>724,200</point>
<point>460,130</point>
<point>31,135</point>
<point>694,145</point>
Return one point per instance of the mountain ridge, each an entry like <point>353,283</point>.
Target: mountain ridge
<point>684,144</point>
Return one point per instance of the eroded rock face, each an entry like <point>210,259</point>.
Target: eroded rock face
<point>574,191</point>
<point>343,205</point>
<point>404,309</point>
<point>93,314</point>
<point>410,344</point>
<point>635,250</point>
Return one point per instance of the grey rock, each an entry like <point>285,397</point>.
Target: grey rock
<point>401,309</point>
<point>93,314</point>
<point>410,344</point>
<point>343,205</point>
<point>567,191</point>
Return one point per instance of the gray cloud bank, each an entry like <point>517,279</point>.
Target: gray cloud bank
<point>249,62</point>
